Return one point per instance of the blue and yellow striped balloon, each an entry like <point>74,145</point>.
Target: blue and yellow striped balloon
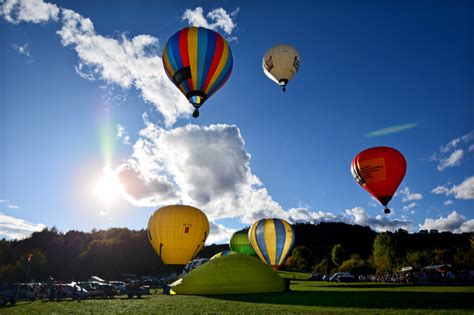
<point>272,240</point>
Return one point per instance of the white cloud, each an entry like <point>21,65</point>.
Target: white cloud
<point>409,206</point>
<point>16,228</point>
<point>127,62</point>
<point>408,196</point>
<point>103,213</point>
<point>454,222</point>
<point>379,222</point>
<point>465,190</point>
<point>203,166</point>
<point>305,215</point>
<point>453,160</point>
<point>122,134</point>
<point>22,49</point>
<point>216,19</point>
<point>439,190</point>
<point>452,153</point>
<point>448,203</point>
<point>13,206</point>
<point>34,11</point>
<point>219,234</point>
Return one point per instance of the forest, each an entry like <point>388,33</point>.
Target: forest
<point>323,248</point>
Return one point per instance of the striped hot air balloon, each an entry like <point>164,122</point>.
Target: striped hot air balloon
<point>199,62</point>
<point>272,240</point>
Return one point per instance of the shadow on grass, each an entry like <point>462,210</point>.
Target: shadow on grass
<point>363,286</point>
<point>362,299</point>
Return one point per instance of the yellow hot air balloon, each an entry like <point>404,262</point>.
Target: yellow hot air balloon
<point>177,233</point>
<point>280,64</point>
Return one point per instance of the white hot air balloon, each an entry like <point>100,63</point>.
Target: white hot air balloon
<point>280,63</point>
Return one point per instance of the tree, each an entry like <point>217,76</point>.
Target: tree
<point>325,266</point>
<point>338,254</point>
<point>384,253</point>
<point>303,256</point>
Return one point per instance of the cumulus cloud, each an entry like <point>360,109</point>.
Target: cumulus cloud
<point>214,20</point>
<point>122,134</point>
<point>203,166</point>
<point>448,203</point>
<point>454,159</point>
<point>219,233</point>
<point>22,49</point>
<point>465,190</point>
<point>33,11</point>
<point>127,62</point>
<point>454,222</point>
<point>410,206</point>
<point>452,153</point>
<point>16,228</point>
<point>379,223</point>
<point>409,196</point>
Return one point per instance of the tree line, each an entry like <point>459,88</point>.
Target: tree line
<point>323,247</point>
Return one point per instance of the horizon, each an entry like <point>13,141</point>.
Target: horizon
<point>94,135</point>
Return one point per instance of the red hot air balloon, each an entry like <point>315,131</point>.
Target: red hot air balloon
<point>379,170</point>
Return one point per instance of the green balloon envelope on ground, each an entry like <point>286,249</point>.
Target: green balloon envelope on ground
<point>231,274</point>
<point>239,242</point>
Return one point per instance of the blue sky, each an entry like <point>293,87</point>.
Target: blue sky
<point>92,135</point>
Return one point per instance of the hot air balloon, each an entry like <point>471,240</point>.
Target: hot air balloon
<point>177,233</point>
<point>199,62</point>
<point>280,63</point>
<point>380,171</point>
<point>239,242</point>
<point>272,240</point>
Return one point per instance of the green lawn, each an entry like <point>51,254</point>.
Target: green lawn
<point>305,297</point>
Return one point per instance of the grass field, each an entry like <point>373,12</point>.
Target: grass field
<point>305,297</point>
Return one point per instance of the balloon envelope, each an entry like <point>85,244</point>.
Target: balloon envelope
<point>280,63</point>
<point>239,242</point>
<point>198,61</point>
<point>379,170</point>
<point>272,240</point>
<point>177,233</point>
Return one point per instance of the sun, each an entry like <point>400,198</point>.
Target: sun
<point>108,187</point>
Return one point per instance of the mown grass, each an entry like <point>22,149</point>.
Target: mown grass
<point>305,297</point>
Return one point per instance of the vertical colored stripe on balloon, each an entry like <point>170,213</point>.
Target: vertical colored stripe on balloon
<point>222,78</point>
<point>253,241</point>
<point>210,51</point>
<point>289,241</point>
<point>183,48</point>
<point>215,60</point>
<point>202,50</point>
<point>167,64</point>
<point>261,241</point>
<point>222,63</point>
<point>280,240</point>
<point>270,240</point>
<point>192,53</point>
<point>171,60</point>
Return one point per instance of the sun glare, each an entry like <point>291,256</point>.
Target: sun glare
<point>108,187</point>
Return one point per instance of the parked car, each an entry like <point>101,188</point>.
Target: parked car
<point>99,289</point>
<point>342,277</point>
<point>7,295</point>
<point>117,284</point>
<point>70,290</point>
<point>135,288</point>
